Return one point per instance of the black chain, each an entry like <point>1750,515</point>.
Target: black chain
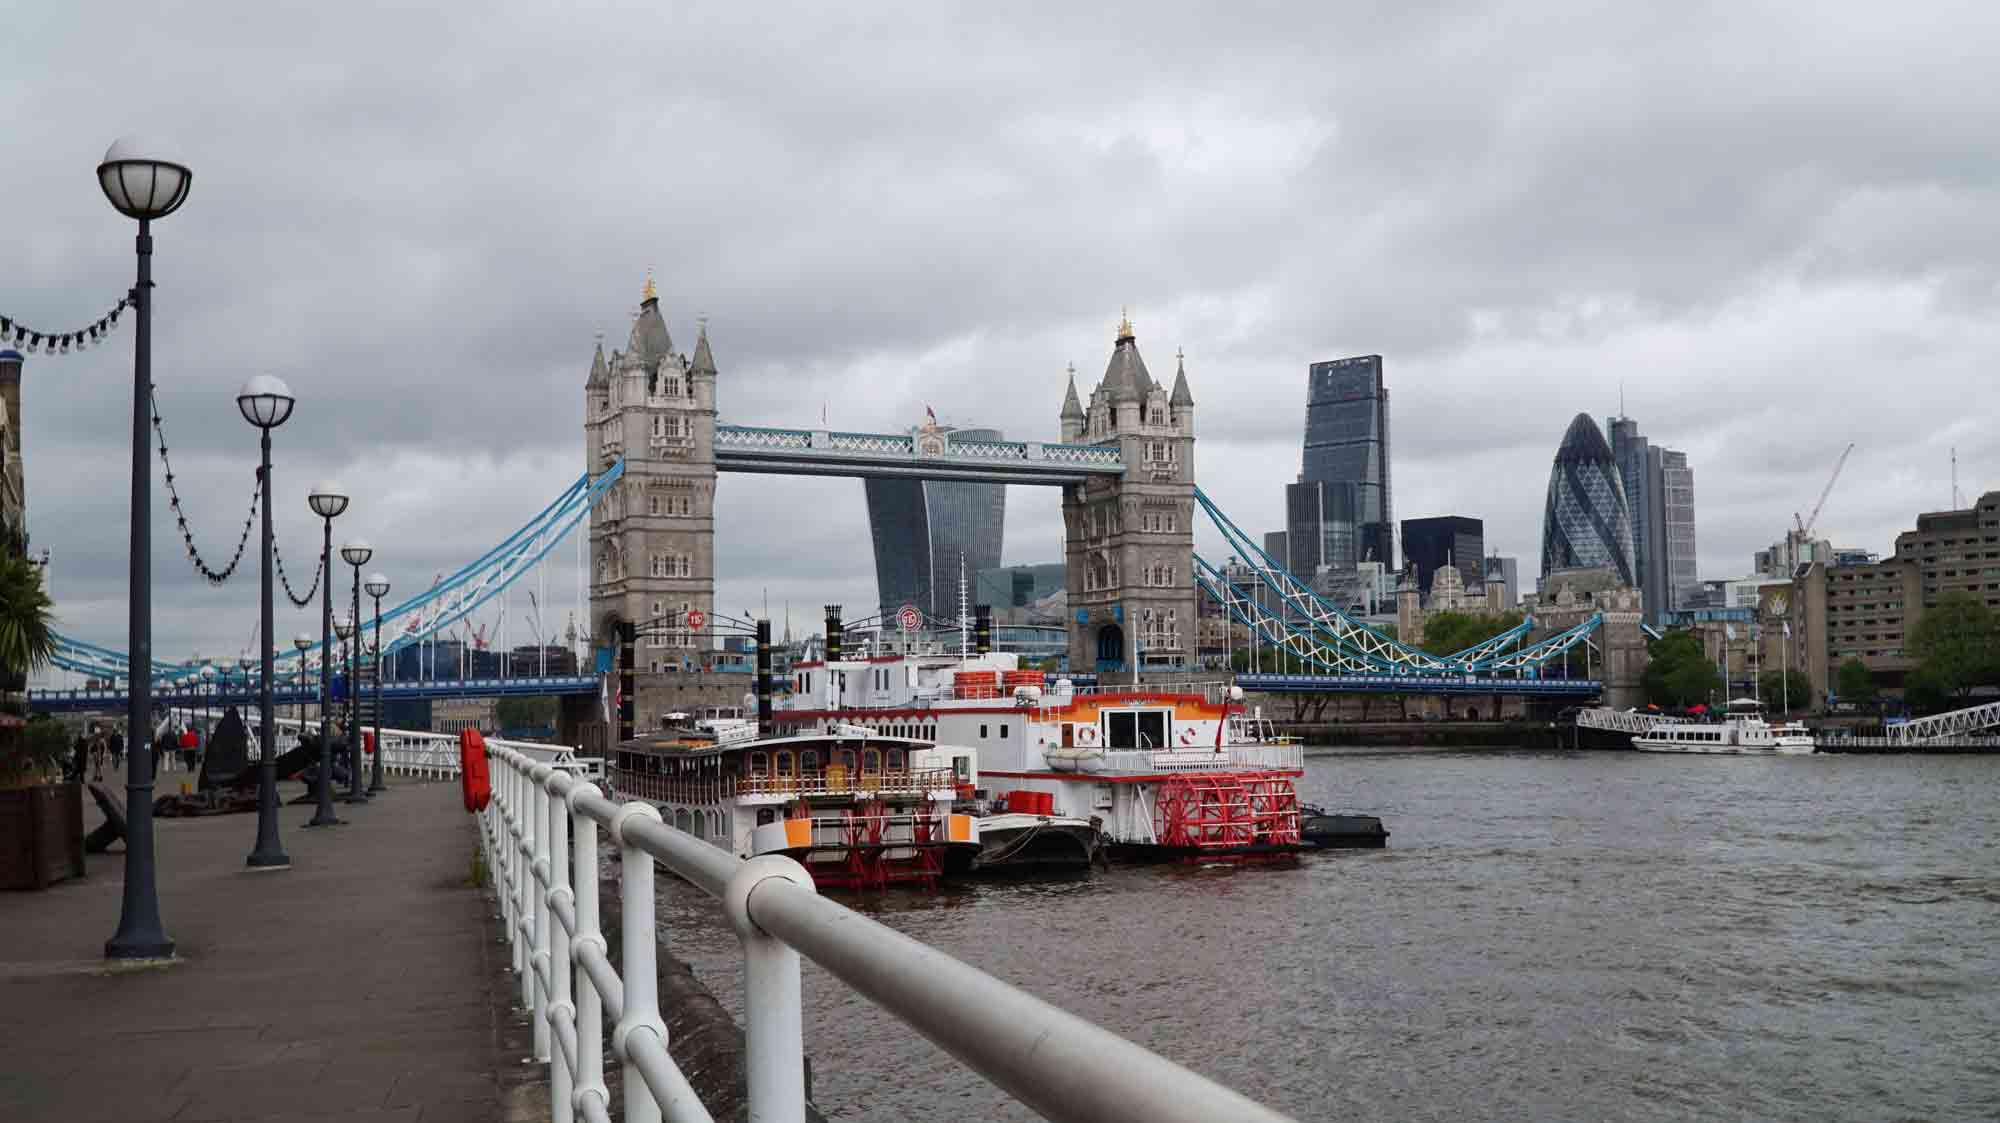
<point>319,568</point>
<point>214,576</point>
<point>54,343</point>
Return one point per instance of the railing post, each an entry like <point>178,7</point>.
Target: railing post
<point>589,1004</point>
<point>523,839</point>
<point>775,1031</point>
<point>539,881</point>
<point>637,965</point>
<point>561,1009</point>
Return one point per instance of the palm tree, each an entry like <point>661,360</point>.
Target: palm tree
<point>26,643</point>
<point>27,637</point>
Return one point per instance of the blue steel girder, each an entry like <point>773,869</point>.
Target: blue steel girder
<point>825,452</point>
<point>1309,606</point>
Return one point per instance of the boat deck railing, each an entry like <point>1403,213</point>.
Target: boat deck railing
<point>1284,757</point>
<point>695,789</point>
<point>541,834</point>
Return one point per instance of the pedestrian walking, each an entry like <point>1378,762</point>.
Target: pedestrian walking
<point>117,748</point>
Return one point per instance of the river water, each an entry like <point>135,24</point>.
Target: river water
<point>1548,936</point>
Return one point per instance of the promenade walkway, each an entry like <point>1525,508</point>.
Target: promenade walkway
<point>364,983</point>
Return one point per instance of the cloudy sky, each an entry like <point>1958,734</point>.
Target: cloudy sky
<point>1772,228</point>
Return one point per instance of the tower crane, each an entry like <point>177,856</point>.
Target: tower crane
<point>1805,526</point>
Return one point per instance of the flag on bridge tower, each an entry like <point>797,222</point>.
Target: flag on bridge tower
<point>930,413</point>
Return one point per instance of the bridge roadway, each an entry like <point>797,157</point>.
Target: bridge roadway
<point>360,984</point>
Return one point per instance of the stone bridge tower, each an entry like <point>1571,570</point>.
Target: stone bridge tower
<point>1129,541</point>
<point>652,538</point>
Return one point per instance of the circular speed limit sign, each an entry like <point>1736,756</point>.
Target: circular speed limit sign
<point>695,620</point>
<point>910,618</point>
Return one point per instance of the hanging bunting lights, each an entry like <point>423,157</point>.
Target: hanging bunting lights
<point>14,333</point>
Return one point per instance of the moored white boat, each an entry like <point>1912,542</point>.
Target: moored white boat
<point>1741,732</point>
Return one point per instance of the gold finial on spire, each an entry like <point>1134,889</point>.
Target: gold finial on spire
<point>1124,323</point>
<point>650,293</point>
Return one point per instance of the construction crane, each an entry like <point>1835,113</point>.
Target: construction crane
<point>1805,526</point>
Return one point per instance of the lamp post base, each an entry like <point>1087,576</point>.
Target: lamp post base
<point>262,861</point>
<point>376,785</point>
<point>154,946</point>
<point>328,821</point>
<point>355,797</point>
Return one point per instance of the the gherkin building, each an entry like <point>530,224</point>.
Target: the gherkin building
<point>1586,521</point>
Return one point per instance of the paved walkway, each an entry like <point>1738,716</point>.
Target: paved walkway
<point>365,982</point>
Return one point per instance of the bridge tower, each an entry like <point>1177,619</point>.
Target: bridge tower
<point>652,537</point>
<point>1129,540</point>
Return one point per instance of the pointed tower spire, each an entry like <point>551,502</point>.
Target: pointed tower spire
<point>1071,407</point>
<point>1182,396</point>
<point>600,375</point>
<point>650,294</point>
<point>704,359</point>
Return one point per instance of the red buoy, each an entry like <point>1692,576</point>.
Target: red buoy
<point>472,774</point>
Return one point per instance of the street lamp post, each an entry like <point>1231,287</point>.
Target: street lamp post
<point>302,643</point>
<point>141,186</point>
<point>356,553</point>
<point>327,501</point>
<point>266,402</point>
<point>378,587</point>
<point>206,689</point>
<point>343,627</point>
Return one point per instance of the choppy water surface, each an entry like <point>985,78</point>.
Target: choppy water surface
<point>1549,936</point>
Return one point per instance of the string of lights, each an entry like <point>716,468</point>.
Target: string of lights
<point>59,343</point>
<point>201,566</point>
<point>319,570</point>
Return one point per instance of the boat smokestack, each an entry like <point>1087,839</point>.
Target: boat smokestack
<point>982,629</point>
<point>763,677</point>
<point>832,633</point>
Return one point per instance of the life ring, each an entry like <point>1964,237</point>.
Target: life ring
<point>1086,735</point>
<point>473,778</point>
<point>1189,735</point>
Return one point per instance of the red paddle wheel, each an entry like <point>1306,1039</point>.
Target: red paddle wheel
<point>1219,815</point>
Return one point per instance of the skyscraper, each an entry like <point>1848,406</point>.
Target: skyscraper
<point>1431,544</point>
<point>1639,471</point>
<point>1673,482</point>
<point>1322,530</point>
<point>1347,448</point>
<point>1586,522</point>
<point>922,529</point>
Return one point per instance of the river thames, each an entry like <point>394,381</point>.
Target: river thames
<point>1549,935</point>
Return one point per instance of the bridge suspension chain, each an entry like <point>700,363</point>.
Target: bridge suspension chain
<point>201,566</point>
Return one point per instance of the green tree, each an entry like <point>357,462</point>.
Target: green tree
<point>1956,645</point>
<point>1678,672</point>
<point>1922,693</point>
<point>1854,683</point>
<point>1448,632</point>
<point>1783,691</point>
<point>26,643</point>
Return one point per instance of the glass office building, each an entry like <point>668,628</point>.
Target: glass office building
<point>1322,530</point>
<point>923,529</point>
<point>1347,445</point>
<point>1586,522</point>
<point>1454,540</point>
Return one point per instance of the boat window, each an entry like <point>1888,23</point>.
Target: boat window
<point>961,767</point>
<point>809,762</point>
<point>846,758</point>
<point>871,761</point>
<point>982,731</point>
<point>1003,731</point>
<point>758,764</point>
<point>784,763</point>
<point>1153,729</point>
<point>896,760</point>
<point>766,816</point>
<point>1121,729</point>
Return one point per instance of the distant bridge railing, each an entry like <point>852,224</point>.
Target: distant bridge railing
<point>1419,684</point>
<point>541,839</point>
<point>288,695</point>
<point>752,448</point>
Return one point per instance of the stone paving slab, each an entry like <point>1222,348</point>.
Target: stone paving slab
<point>364,983</point>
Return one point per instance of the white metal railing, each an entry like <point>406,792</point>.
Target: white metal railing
<point>405,752</point>
<point>540,834</point>
<point>1938,726</point>
<point>1206,760</point>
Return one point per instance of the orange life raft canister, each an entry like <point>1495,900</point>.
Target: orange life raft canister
<point>472,774</point>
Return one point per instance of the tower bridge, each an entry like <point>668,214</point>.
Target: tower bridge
<point>1125,460</point>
